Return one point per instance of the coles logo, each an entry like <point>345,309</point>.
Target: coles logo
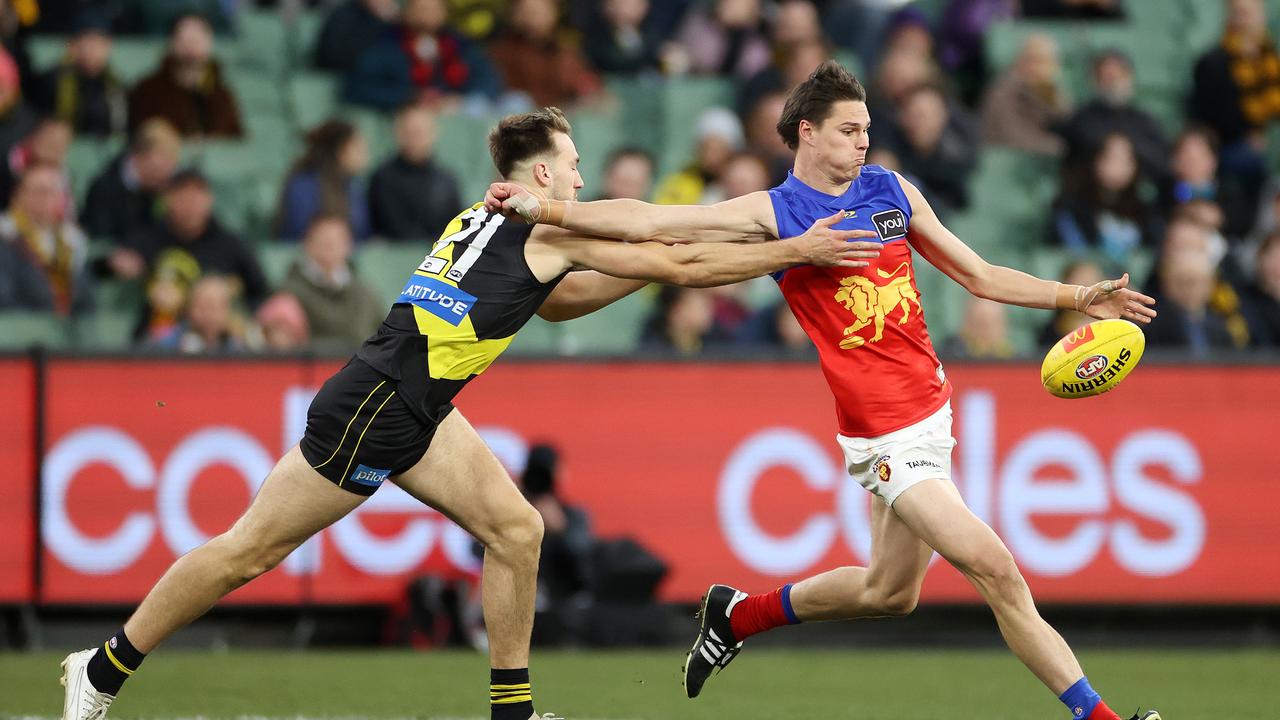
<point>1091,366</point>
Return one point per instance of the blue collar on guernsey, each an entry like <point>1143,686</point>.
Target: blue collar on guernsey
<point>836,202</point>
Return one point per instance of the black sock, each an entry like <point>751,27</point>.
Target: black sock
<point>114,662</point>
<point>510,696</point>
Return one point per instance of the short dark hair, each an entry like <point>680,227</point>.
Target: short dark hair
<point>812,99</point>
<point>520,137</point>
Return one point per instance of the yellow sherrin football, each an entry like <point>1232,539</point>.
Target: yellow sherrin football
<point>1092,359</point>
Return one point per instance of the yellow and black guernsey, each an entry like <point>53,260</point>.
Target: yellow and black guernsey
<point>459,310</point>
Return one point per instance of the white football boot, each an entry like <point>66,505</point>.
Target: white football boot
<point>82,701</point>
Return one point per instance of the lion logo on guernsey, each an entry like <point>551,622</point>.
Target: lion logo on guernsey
<point>871,303</point>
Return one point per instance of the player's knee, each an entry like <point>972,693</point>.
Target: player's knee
<point>248,557</point>
<point>896,602</point>
<point>998,574</point>
<point>519,535</point>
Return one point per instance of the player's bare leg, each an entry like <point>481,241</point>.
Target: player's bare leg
<point>460,477</point>
<point>888,586</point>
<point>293,504</point>
<point>936,512</point>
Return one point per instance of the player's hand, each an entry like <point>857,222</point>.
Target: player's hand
<point>822,244</point>
<point>499,195</point>
<point>1113,299</point>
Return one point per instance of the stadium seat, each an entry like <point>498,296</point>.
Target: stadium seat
<point>21,329</point>
<point>85,159</point>
<point>104,329</point>
<point>537,338</point>
<point>313,98</point>
<point>386,265</point>
<point>276,258</point>
<point>257,94</point>
<point>613,330</point>
<point>135,58</point>
<point>377,129</point>
<point>683,100</point>
<point>462,147</point>
<point>260,44</point>
<point>595,134</point>
<point>640,116</point>
<point>302,31</point>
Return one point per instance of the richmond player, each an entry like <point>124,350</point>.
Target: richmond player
<point>388,415</point>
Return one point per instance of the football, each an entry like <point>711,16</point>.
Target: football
<point>1092,359</point>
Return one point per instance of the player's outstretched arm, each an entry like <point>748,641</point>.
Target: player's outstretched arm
<point>743,219</point>
<point>582,293</point>
<point>948,253</point>
<point>551,251</point>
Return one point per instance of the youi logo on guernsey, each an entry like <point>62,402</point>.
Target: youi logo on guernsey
<point>365,475</point>
<point>890,224</point>
<point>440,299</point>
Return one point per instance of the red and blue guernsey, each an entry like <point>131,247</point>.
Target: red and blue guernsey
<point>866,322</point>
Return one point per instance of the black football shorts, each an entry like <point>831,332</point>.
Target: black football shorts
<point>360,431</point>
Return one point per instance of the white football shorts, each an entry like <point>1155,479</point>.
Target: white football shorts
<point>889,464</point>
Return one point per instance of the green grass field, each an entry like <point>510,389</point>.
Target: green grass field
<point>866,685</point>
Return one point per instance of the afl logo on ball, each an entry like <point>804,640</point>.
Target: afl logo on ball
<point>881,468</point>
<point>1091,366</point>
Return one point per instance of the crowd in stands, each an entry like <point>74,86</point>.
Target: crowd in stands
<point>1197,194</point>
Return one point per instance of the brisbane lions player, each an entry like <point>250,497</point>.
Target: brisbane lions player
<point>892,396</point>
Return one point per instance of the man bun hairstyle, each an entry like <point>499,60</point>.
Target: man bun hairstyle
<point>520,137</point>
<point>813,99</point>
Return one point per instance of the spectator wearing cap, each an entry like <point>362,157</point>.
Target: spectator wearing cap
<point>908,31</point>
<point>190,227</point>
<point>726,38</point>
<point>17,119</point>
<point>539,58</point>
<point>326,181</point>
<point>719,136</point>
<point>281,325</point>
<point>1112,110</point>
<point>42,254</point>
<point>81,89</point>
<point>188,89</point>
<point>622,41</point>
<point>1236,90</point>
<point>210,324</point>
<point>1027,100</point>
<point>351,28</point>
<point>410,195</point>
<point>125,197</point>
<point>342,310</point>
<point>47,145</point>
